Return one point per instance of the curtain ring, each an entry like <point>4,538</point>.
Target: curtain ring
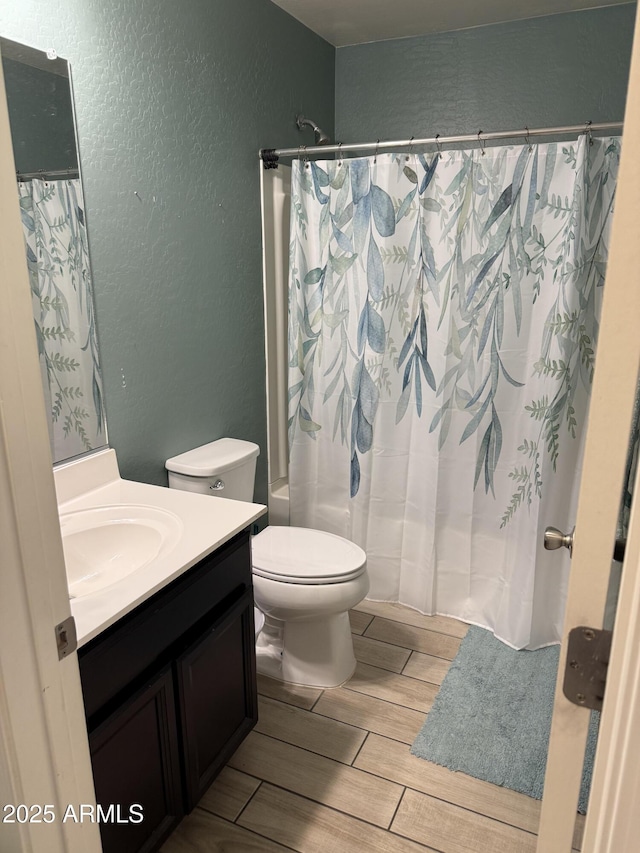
<point>587,130</point>
<point>339,154</point>
<point>527,141</point>
<point>375,153</point>
<point>438,144</point>
<point>408,155</point>
<point>482,145</point>
<point>306,159</point>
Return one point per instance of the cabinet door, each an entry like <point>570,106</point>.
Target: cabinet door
<point>216,680</point>
<point>134,754</point>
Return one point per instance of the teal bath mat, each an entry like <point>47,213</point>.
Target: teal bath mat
<point>492,716</point>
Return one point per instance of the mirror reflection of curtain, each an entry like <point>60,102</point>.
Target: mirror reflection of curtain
<point>60,278</point>
<point>443,324</point>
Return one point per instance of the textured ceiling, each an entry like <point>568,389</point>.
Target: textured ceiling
<point>343,22</point>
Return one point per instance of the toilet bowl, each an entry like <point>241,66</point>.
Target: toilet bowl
<point>305,581</point>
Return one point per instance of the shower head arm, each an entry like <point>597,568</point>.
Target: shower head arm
<point>321,137</point>
<point>301,122</point>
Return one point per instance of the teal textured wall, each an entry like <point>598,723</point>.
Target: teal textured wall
<point>557,70</point>
<point>173,102</point>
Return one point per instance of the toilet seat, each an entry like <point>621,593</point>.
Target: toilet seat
<point>298,555</point>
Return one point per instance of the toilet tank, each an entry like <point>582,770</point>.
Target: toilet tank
<point>225,468</point>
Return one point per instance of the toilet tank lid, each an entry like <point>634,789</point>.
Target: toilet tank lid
<point>213,458</point>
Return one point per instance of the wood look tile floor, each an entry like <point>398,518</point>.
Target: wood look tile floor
<point>330,771</point>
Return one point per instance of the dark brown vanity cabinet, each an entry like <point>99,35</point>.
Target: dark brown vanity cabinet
<point>170,692</point>
<point>135,758</point>
<point>214,679</point>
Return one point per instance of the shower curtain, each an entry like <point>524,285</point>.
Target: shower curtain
<point>443,318</point>
<point>55,234</point>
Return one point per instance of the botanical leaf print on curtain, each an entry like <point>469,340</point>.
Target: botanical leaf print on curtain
<point>60,279</point>
<point>443,322</point>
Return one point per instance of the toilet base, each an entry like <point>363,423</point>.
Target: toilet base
<point>316,653</point>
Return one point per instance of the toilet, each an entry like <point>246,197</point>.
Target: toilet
<point>305,581</point>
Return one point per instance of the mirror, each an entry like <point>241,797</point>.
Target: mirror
<point>52,207</point>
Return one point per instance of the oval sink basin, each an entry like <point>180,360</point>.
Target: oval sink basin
<point>104,545</point>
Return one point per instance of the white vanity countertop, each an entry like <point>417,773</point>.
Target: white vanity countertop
<point>207,523</point>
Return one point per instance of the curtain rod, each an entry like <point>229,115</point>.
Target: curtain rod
<point>270,155</point>
<point>42,174</point>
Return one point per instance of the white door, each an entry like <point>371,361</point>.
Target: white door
<point>44,754</point>
<point>613,816</point>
